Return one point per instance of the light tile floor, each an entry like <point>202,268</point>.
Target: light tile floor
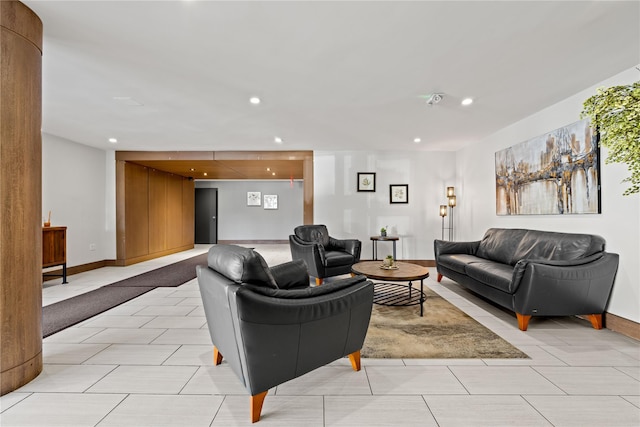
<point>148,362</point>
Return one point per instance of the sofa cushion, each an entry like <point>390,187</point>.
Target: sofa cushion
<point>500,244</point>
<point>492,274</point>
<point>242,265</point>
<point>458,262</point>
<point>313,233</point>
<point>557,246</point>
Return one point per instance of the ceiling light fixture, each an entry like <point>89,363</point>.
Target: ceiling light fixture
<point>205,174</point>
<point>113,140</point>
<point>278,140</point>
<point>416,140</point>
<point>467,101</point>
<point>254,100</point>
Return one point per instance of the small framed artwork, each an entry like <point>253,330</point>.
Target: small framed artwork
<point>271,201</point>
<point>254,198</point>
<point>366,181</point>
<point>399,193</point>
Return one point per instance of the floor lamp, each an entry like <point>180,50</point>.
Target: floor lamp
<point>443,213</point>
<point>451,198</point>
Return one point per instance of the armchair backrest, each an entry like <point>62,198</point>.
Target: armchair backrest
<point>242,265</point>
<point>313,233</point>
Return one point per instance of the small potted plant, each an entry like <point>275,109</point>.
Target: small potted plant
<point>383,232</point>
<point>388,261</point>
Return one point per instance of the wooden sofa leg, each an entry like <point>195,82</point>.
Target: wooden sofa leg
<point>354,358</point>
<point>596,320</point>
<point>523,321</point>
<point>256,405</point>
<point>319,281</point>
<point>217,356</point>
<point>439,277</point>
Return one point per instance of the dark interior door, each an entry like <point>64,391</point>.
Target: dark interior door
<point>206,215</point>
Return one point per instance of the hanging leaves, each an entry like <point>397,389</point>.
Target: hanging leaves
<point>615,112</point>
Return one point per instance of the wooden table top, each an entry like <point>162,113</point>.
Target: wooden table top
<point>384,238</point>
<point>405,272</point>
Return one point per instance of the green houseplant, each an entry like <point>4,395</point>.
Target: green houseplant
<point>383,231</point>
<point>615,112</point>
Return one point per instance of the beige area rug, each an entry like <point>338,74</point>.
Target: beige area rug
<point>445,332</point>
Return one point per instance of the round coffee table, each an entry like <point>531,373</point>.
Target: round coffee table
<point>395,294</point>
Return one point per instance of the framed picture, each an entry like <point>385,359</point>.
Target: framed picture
<point>399,193</point>
<point>557,173</point>
<point>254,198</point>
<point>366,181</point>
<point>271,201</point>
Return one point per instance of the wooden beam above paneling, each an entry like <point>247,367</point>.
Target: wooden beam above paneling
<point>223,164</point>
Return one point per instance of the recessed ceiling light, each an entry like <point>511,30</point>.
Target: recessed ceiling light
<point>278,140</point>
<point>254,100</point>
<point>273,173</point>
<point>205,174</point>
<point>268,169</point>
<point>113,140</point>
<point>416,140</point>
<point>467,101</point>
<point>192,169</point>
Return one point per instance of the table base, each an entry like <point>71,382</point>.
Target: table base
<point>398,295</point>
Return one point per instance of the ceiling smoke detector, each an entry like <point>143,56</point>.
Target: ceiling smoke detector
<point>434,98</point>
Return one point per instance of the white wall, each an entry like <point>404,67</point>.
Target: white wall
<point>237,221</point>
<point>619,222</point>
<point>348,213</point>
<point>74,189</point>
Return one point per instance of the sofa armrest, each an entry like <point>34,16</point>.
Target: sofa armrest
<point>442,247</point>
<point>521,266</point>
<point>557,289</point>
<point>353,246</point>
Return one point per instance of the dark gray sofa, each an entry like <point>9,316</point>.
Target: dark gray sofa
<point>534,273</point>
<point>271,326</point>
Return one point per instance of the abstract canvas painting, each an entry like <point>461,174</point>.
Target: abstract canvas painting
<point>553,174</point>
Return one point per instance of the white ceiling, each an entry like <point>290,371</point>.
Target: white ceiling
<point>332,75</point>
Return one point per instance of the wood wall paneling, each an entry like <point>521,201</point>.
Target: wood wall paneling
<point>136,229</point>
<point>157,211</point>
<point>188,211</point>
<point>20,196</point>
<point>173,225</point>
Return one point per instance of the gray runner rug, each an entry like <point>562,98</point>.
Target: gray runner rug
<point>69,312</point>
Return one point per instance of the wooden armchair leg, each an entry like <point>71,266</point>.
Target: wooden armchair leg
<point>217,356</point>
<point>596,320</point>
<point>439,277</point>
<point>523,321</point>
<point>256,405</point>
<point>354,358</point>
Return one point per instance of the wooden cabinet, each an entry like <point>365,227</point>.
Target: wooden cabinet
<point>54,249</point>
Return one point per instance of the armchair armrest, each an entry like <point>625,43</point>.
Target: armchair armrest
<point>283,338</point>
<point>291,275</point>
<point>312,253</point>
<point>442,247</point>
<point>353,246</point>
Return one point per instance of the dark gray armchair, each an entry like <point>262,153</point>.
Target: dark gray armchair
<point>271,326</point>
<point>324,255</point>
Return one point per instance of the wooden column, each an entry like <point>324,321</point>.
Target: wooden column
<point>20,195</point>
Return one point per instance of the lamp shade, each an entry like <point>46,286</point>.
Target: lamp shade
<point>452,201</point>
<point>450,191</point>
<point>443,210</point>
